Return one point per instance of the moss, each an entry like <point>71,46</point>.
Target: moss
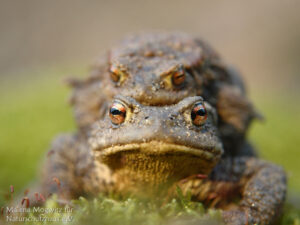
<point>111,211</point>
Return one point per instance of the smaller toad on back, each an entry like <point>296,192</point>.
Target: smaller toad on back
<point>149,149</point>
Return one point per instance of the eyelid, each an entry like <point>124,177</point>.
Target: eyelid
<point>128,101</point>
<point>188,103</point>
<point>118,101</point>
<point>113,69</point>
<point>172,70</point>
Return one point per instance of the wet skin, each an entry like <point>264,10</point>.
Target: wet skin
<point>161,69</point>
<point>145,149</point>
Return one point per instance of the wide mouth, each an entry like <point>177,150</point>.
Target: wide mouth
<point>162,148</point>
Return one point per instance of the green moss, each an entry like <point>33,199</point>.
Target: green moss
<point>111,211</point>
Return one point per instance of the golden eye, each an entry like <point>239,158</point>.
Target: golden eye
<point>198,114</point>
<point>178,77</point>
<point>115,74</point>
<point>174,78</point>
<point>118,75</point>
<point>117,113</point>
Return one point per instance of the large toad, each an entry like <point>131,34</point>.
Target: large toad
<point>149,149</point>
<point>161,69</point>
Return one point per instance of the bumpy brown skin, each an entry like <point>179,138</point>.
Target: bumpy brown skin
<point>157,148</point>
<point>260,186</point>
<point>146,63</point>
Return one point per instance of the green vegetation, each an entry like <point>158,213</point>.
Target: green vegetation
<point>110,211</point>
<point>33,111</point>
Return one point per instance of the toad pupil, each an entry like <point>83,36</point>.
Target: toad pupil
<point>115,112</point>
<point>199,114</point>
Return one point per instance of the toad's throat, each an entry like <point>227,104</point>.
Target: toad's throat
<point>156,163</point>
<point>158,148</point>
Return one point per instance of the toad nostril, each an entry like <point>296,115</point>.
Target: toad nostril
<point>172,116</point>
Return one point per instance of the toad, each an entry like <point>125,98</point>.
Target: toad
<point>148,149</point>
<point>162,68</point>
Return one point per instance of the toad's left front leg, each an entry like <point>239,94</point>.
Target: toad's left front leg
<point>263,189</point>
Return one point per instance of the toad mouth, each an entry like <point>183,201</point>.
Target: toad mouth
<point>162,148</point>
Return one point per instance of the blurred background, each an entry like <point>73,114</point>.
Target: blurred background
<point>41,42</point>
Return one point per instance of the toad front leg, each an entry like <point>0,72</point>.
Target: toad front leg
<point>261,186</point>
<point>70,170</point>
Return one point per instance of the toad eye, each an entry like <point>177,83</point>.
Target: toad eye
<point>174,78</point>
<point>117,75</point>
<point>117,113</point>
<point>114,74</point>
<point>199,114</point>
<point>178,77</point>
